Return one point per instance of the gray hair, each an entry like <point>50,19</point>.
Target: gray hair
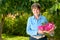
<point>35,5</point>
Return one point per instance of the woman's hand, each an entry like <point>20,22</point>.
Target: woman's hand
<point>47,32</point>
<point>40,32</point>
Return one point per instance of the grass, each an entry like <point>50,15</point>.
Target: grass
<point>13,37</point>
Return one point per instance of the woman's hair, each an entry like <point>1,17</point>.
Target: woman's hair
<point>35,5</point>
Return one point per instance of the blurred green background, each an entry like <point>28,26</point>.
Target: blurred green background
<point>14,15</point>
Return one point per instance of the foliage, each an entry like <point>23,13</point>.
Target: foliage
<point>16,25</point>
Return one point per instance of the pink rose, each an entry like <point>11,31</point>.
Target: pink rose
<point>41,28</point>
<point>49,26</point>
<point>46,27</point>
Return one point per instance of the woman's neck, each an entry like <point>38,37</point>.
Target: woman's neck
<point>37,16</point>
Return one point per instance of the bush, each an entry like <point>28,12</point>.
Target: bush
<point>17,25</point>
<point>56,20</point>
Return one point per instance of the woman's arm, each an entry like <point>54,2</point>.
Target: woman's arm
<point>29,31</point>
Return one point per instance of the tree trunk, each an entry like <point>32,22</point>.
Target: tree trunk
<point>1,25</point>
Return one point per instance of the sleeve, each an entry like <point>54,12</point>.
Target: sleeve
<point>29,31</point>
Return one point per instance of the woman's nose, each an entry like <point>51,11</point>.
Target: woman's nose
<point>35,10</point>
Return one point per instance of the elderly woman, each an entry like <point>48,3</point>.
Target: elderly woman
<point>33,23</point>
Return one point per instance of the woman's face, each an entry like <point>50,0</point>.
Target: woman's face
<point>36,11</point>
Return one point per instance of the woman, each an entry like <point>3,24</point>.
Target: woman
<point>33,23</point>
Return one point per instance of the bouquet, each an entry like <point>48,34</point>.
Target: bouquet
<point>46,27</point>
